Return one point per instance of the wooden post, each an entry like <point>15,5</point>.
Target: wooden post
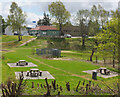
<point>41,86</point>
<point>89,84</point>
<point>60,88</point>
<point>48,89</point>
<point>38,85</point>
<point>77,86</point>
<point>32,84</point>
<point>86,88</point>
<point>83,82</point>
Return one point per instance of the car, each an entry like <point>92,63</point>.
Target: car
<point>22,63</point>
<point>67,35</point>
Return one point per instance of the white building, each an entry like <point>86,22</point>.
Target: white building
<point>8,31</point>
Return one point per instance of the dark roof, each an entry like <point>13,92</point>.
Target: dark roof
<point>44,28</point>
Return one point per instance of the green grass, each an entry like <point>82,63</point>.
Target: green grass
<point>8,38</point>
<point>12,41</point>
<point>73,66</point>
<point>62,70</point>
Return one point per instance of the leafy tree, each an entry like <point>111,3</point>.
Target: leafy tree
<point>82,19</point>
<point>16,19</point>
<point>3,25</point>
<point>44,21</point>
<point>93,27</point>
<point>94,21</point>
<point>108,39</point>
<point>103,15</point>
<point>59,12</point>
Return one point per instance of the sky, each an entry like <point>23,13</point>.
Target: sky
<point>35,8</point>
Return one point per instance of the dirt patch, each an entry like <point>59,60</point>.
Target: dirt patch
<point>67,51</point>
<point>59,59</point>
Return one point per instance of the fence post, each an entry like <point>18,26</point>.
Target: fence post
<point>32,84</point>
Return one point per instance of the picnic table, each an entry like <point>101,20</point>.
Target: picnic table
<point>34,73</point>
<point>103,70</point>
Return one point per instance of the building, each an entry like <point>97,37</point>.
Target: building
<point>44,31</point>
<point>8,31</point>
<point>72,30</point>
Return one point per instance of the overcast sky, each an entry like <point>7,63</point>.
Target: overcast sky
<point>35,8</point>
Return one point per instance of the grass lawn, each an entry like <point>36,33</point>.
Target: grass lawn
<point>9,42</point>
<point>62,70</point>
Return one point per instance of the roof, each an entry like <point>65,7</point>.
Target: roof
<point>44,28</point>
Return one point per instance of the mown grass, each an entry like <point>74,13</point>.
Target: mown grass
<point>9,42</point>
<point>63,73</point>
<point>72,66</point>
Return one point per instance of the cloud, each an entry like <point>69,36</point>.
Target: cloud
<point>32,17</point>
<point>35,8</point>
<point>4,9</point>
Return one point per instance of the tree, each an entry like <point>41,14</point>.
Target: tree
<point>44,21</point>
<point>108,39</point>
<point>103,15</point>
<point>83,19</point>
<point>59,12</point>
<point>3,25</point>
<point>93,24</point>
<point>16,19</point>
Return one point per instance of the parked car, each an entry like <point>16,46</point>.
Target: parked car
<point>67,35</point>
<point>22,63</point>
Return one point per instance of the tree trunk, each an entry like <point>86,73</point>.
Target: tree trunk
<point>83,42</point>
<point>60,28</point>
<point>93,50</point>
<point>114,58</point>
<point>119,47</point>
<point>19,39</point>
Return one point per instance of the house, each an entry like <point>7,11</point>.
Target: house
<point>8,31</point>
<point>72,30</point>
<point>49,31</point>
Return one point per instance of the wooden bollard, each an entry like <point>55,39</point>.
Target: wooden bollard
<point>32,84</point>
<point>38,85</point>
<point>68,86</point>
<point>83,82</point>
<point>41,85</point>
<point>44,86</point>
<point>60,88</point>
<point>89,84</point>
<point>58,92</point>
<point>86,88</point>
<point>57,86</point>
<point>77,86</point>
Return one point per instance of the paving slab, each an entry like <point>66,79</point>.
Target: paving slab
<point>112,74</point>
<point>45,74</point>
<point>30,64</point>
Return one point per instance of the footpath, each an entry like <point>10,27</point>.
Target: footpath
<point>28,41</point>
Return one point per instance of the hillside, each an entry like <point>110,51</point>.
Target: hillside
<point>12,41</point>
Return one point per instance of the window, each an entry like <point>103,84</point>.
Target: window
<point>44,32</point>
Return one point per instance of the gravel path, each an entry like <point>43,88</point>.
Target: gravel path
<point>28,41</point>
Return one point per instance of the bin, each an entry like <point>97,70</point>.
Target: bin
<point>94,75</point>
<point>40,73</point>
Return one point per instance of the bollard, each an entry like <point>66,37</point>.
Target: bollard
<point>94,75</point>
<point>32,84</point>
<point>40,73</point>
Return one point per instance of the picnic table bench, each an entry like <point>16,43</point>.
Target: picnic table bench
<point>103,70</point>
